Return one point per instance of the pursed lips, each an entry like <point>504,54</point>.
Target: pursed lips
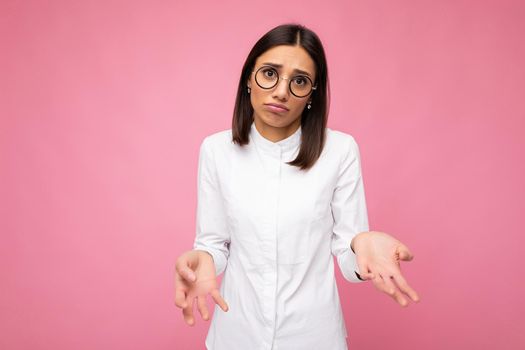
<point>276,107</point>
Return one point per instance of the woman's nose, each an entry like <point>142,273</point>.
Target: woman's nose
<point>281,90</point>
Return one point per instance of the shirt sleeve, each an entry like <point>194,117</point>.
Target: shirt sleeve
<point>349,211</point>
<point>212,234</point>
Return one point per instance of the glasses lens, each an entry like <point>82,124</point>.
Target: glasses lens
<point>301,86</point>
<point>266,77</point>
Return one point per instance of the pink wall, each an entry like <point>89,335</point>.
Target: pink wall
<point>103,106</point>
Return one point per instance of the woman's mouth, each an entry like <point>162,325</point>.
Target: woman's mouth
<point>275,108</point>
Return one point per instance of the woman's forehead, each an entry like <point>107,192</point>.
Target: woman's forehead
<point>289,57</point>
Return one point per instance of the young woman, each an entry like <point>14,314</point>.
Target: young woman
<point>279,194</point>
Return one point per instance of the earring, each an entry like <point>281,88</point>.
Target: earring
<point>309,105</point>
<point>249,90</point>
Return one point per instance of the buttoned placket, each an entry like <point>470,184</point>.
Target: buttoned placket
<point>272,155</point>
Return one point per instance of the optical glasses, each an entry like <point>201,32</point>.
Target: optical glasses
<point>267,78</point>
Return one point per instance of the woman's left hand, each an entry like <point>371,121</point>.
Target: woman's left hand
<point>378,257</point>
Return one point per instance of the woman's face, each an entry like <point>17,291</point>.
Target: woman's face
<point>289,62</point>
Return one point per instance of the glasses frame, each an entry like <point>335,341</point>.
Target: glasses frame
<point>289,81</point>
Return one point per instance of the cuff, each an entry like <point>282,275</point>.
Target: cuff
<point>348,265</point>
<point>356,273</point>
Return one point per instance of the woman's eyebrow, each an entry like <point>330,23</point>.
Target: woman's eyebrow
<point>275,65</point>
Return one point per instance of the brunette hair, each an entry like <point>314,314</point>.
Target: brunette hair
<point>313,120</point>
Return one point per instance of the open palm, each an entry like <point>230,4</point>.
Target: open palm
<point>194,280</point>
<point>378,258</point>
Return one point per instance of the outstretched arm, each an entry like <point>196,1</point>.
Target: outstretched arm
<point>349,211</point>
<point>197,270</point>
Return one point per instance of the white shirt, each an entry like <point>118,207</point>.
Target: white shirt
<point>274,229</point>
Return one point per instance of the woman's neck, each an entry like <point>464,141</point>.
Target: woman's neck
<point>276,134</point>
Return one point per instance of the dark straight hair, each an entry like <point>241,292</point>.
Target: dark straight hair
<point>313,120</point>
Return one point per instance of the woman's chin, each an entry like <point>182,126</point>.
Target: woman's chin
<point>276,120</point>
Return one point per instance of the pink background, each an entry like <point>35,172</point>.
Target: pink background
<point>103,106</point>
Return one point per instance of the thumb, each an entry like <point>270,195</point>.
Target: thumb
<point>404,253</point>
<point>184,269</point>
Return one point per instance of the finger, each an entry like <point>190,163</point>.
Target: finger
<point>180,291</point>
<point>404,253</point>
<point>363,270</point>
<point>389,286</point>
<point>393,291</point>
<point>405,288</point>
<point>219,300</point>
<point>379,283</point>
<point>186,273</point>
<point>366,275</point>
<point>183,267</point>
<point>180,298</point>
<point>203,308</point>
<point>188,314</point>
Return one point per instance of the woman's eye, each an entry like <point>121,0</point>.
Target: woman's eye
<point>300,81</point>
<point>269,72</point>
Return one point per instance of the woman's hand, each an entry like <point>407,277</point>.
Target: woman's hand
<point>378,256</point>
<point>194,279</point>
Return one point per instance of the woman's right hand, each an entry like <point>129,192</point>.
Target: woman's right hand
<point>195,279</point>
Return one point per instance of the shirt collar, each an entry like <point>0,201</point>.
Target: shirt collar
<point>285,145</point>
